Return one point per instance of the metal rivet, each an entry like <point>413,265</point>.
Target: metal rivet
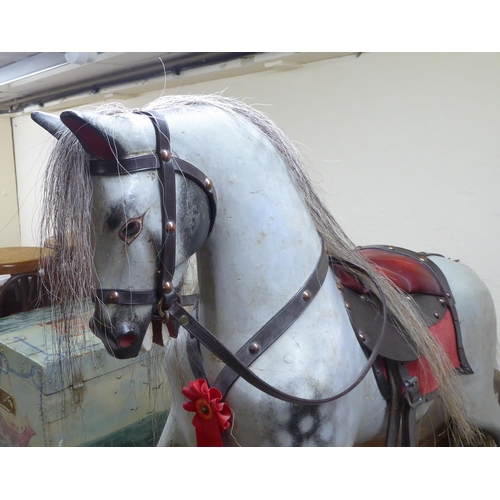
<point>339,286</point>
<point>253,348</point>
<point>442,301</point>
<point>168,287</point>
<point>165,155</point>
<point>183,320</point>
<point>423,259</point>
<point>113,297</point>
<point>209,184</point>
<point>171,227</point>
<point>347,305</point>
<point>436,315</point>
<point>390,247</point>
<point>306,296</point>
<point>361,335</point>
<point>362,297</point>
<point>448,294</point>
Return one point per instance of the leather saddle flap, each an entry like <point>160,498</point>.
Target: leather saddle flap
<point>365,310</point>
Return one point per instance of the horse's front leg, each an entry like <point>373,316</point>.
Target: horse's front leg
<point>172,434</point>
<point>178,430</point>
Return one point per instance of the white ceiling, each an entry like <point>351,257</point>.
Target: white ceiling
<point>143,71</point>
<point>109,68</point>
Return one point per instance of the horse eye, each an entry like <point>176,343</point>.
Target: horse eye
<point>131,229</point>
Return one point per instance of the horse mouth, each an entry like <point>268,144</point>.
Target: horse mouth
<point>124,347</point>
<point>126,341</point>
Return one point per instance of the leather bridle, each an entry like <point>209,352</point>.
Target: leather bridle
<point>167,166</point>
<point>166,297</point>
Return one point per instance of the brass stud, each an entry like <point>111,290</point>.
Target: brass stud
<point>339,286</point>
<point>209,184</point>
<point>165,155</point>
<point>306,296</point>
<point>253,348</point>
<point>113,297</point>
<point>183,320</point>
<point>171,227</point>
<point>168,287</point>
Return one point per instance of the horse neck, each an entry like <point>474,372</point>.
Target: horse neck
<point>263,247</point>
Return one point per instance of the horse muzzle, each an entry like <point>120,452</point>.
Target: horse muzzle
<point>123,339</point>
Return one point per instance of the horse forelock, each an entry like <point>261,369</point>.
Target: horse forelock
<point>67,219</point>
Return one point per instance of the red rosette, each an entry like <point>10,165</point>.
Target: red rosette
<point>212,415</point>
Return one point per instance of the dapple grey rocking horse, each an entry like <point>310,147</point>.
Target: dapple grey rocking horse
<point>295,337</point>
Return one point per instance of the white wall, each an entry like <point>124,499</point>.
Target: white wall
<point>9,220</point>
<point>404,147</point>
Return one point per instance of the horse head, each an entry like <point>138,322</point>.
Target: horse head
<point>150,212</point>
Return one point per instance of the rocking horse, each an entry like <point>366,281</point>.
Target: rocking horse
<point>295,337</point>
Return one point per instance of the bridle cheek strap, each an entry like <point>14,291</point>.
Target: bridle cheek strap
<point>168,198</point>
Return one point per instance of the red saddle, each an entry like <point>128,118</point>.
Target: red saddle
<point>411,273</point>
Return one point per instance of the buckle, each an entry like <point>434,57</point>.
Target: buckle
<point>412,392</point>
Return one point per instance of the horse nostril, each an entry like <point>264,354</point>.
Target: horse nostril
<point>127,340</point>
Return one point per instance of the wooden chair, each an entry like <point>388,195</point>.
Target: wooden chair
<point>20,293</point>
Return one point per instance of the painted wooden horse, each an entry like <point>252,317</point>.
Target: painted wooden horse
<point>297,338</point>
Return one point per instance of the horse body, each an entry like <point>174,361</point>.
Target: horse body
<point>262,249</point>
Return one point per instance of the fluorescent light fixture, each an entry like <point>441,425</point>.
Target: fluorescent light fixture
<point>32,66</point>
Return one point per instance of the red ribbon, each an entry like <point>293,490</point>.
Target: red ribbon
<point>211,417</point>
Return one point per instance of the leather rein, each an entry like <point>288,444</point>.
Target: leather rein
<point>167,300</point>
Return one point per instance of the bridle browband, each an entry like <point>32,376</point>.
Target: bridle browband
<point>167,298</point>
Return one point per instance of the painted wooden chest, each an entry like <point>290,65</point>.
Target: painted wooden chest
<point>80,397</point>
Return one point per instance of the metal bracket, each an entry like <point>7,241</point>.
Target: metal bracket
<point>412,392</point>
<point>7,401</point>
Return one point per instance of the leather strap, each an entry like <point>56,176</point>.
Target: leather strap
<point>168,204</point>
<point>124,165</point>
<point>126,297</point>
<point>276,326</point>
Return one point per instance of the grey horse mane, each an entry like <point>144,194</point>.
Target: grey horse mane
<point>66,220</point>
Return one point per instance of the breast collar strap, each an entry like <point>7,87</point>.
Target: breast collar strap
<point>167,165</point>
<point>237,365</point>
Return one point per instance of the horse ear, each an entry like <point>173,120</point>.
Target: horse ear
<point>91,135</point>
<point>50,123</point>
